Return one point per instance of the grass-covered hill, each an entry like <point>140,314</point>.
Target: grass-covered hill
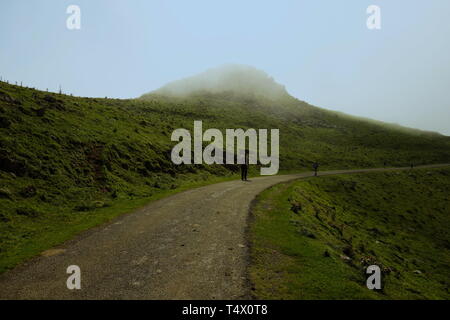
<point>314,238</point>
<point>67,163</point>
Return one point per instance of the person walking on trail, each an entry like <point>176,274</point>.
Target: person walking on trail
<point>244,166</point>
<point>315,167</point>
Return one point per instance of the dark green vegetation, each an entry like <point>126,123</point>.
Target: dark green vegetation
<point>68,163</point>
<point>314,238</point>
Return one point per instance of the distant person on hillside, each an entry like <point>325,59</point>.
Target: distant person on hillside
<point>412,165</point>
<point>244,166</point>
<point>315,167</point>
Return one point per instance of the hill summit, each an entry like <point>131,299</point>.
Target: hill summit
<point>240,79</point>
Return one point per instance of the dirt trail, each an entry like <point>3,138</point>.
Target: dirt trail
<point>187,246</point>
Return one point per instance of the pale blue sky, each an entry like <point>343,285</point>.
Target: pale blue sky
<point>320,50</point>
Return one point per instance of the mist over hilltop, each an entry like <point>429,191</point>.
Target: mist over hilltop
<point>237,78</point>
<point>245,81</point>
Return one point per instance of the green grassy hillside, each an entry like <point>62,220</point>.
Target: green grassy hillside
<point>314,238</point>
<point>68,163</point>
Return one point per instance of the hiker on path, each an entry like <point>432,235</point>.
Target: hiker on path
<point>244,166</point>
<point>315,167</point>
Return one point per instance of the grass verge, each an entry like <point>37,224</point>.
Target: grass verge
<point>313,238</point>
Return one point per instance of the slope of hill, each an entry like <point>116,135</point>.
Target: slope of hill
<point>314,238</point>
<point>68,163</point>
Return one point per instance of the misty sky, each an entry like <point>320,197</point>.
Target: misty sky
<point>320,50</point>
